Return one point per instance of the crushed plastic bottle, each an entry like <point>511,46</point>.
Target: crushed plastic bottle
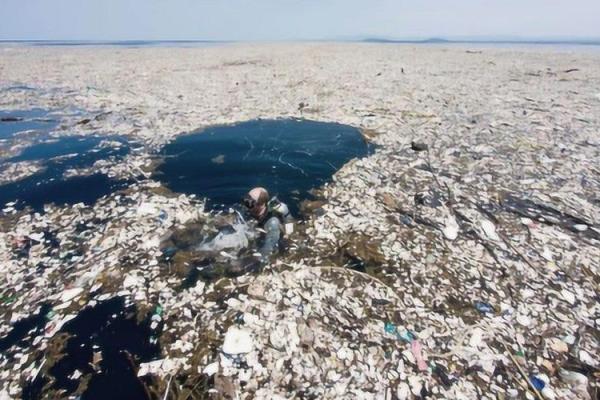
<point>390,328</point>
<point>483,307</point>
<point>405,335</point>
<point>537,383</point>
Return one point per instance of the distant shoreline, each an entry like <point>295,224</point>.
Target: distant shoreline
<point>591,42</point>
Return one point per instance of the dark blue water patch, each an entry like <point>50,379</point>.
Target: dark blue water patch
<point>37,119</point>
<point>289,157</point>
<point>58,156</point>
<point>40,189</point>
<point>23,331</point>
<point>112,329</point>
<point>82,146</point>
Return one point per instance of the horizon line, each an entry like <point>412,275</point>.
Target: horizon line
<point>409,39</point>
<point>363,39</point>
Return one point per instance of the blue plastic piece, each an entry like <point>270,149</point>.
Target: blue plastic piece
<point>483,307</point>
<point>390,328</point>
<point>537,382</point>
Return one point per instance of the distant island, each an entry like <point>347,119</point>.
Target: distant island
<point>435,40</point>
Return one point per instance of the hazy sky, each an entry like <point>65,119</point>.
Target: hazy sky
<point>295,19</point>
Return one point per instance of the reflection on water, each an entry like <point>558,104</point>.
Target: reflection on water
<point>289,157</point>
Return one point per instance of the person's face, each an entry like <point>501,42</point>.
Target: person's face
<point>255,209</point>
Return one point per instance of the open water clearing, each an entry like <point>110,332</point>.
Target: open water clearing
<point>289,157</point>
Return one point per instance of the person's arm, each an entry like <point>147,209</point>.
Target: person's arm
<point>273,234</point>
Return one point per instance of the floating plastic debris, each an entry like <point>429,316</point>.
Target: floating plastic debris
<point>483,307</point>
<point>237,341</point>
<point>482,248</point>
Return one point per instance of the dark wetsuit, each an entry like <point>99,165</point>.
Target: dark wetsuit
<point>273,224</point>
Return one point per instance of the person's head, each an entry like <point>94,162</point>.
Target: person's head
<point>256,201</point>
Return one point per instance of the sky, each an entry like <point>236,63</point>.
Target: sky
<point>258,20</point>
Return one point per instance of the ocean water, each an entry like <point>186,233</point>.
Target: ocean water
<point>13,122</point>
<point>20,334</point>
<point>43,188</point>
<point>575,45</point>
<point>56,156</point>
<point>115,43</point>
<point>289,157</point>
<point>111,329</point>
